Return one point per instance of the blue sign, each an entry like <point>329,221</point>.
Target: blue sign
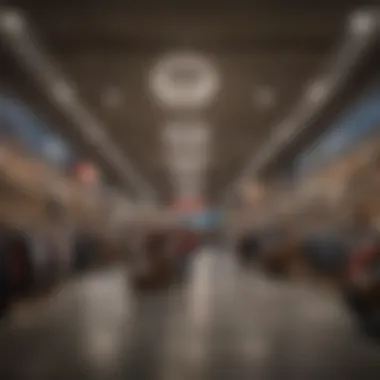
<point>354,125</point>
<point>17,120</point>
<point>203,220</point>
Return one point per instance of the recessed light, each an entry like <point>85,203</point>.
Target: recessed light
<point>112,97</point>
<point>362,22</point>
<point>12,22</point>
<point>264,96</point>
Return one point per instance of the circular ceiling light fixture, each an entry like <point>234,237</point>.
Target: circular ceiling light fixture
<point>187,81</point>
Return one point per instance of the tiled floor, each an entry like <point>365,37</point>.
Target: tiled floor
<point>225,324</point>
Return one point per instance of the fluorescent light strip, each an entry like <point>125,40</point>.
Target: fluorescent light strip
<point>185,134</point>
<point>186,147</point>
<point>193,186</point>
<point>189,158</point>
<point>25,46</point>
<point>183,178</point>
<point>187,166</point>
<point>311,105</point>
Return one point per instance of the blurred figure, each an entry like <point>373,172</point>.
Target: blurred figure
<point>326,253</point>
<point>5,277</point>
<point>187,244</point>
<point>248,247</point>
<point>158,273</point>
<point>362,287</point>
<point>362,277</point>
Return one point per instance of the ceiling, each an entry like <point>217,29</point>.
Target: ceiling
<point>110,48</point>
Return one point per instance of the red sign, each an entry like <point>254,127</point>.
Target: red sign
<point>87,173</point>
<point>188,205</point>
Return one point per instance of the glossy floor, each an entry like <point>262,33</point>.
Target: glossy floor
<point>224,324</point>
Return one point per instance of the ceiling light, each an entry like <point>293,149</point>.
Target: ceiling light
<point>188,186</point>
<point>284,131</point>
<point>195,154</point>
<point>317,91</point>
<point>264,96</point>
<point>188,137</point>
<point>362,22</point>
<point>63,92</point>
<point>187,161</point>
<point>184,81</point>
<point>12,22</point>
<point>186,132</point>
<point>112,97</point>
<point>28,51</point>
<point>186,145</point>
<point>187,175</point>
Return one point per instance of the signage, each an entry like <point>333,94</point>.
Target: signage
<point>188,205</point>
<point>87,173</point>
<point>203,220</point>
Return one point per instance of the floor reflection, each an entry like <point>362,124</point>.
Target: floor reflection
<point>225,324</point>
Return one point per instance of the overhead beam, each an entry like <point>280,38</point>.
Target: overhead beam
<point>23,44</point>
<point>361,40</point>
<point>120,44</point>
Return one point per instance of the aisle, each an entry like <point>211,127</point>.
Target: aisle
<point>226,324</point>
